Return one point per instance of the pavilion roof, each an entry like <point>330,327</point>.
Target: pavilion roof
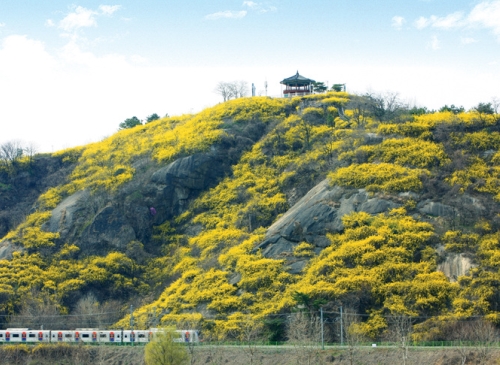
<point>297,80</point>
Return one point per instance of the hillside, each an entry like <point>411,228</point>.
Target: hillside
<point>257,205</point>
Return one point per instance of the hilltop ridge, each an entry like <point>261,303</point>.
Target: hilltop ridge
<point>257,205</point>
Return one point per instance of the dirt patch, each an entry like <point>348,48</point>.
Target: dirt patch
<point>206,355</point>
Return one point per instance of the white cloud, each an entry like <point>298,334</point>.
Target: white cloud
<point>250,4</point>
<point>49,23</point>
<point>19,52</point>
<point>228,14</point>
<point>109,9</point>
<point>83,18</point>
<point>468,40</point>
<point>80,18</point>
<point>268,9</point>
<point>486,15</point>
<point>422,22</point>
<point>435,43</point>
<point>259,7</point>
<point>397,22</point>
<point>453,20</point>
<point>2,25</point>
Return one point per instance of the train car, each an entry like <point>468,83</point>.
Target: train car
<point>111,336</point>
<point>128,336</point>
<point>38,335</point>
<point>87,335</point>
<point>15,334</point>
<point>62,336</point>
<point>91,335</point>
<point>137,336</point>
<point>24,335</point>
<point>188,336</point>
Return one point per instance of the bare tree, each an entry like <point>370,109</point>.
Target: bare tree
<point>400,330</point>
<point>234,89</point>
<point>10,153</point>
<point>85,313</point>
<point>352,335</point>
<point>250,332</point>
<point>224,89</point>
<point>360,106</point>
<point>240,88</point>
<point>384,106</point>
<point>304,332</point>
<point>461,333</point>
<point>39,310</point>
<point>485,336</point>
<point>89,313</point>
<point>215,352</point>
<point>192,347</point>
<point>31,150</point>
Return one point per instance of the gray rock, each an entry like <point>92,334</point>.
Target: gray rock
<point>489,154</point>
<point>375,206</point>
<point>7,248</point>
<point>235,278</point>
<point>108,230</point>
<point>173,187</point>
<point>373,138</point>
<point>63,216</point>
<point>409,194</point>
<point>296,267</point>
<point>319,212</point>
<point>455,265</point>
<point>280,247</point>
<point>437,209</point>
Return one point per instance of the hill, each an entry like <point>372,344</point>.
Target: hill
<point>256,206</point>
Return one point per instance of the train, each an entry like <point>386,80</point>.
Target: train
<point>91,335</point>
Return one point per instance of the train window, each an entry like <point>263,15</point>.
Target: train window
<point>67,335</point>
<point>85,335</point>
<point>141,335</point>
<point>103,335</point>
<point>15,335</point>
<point>31,335</point>
<point>126,336</point>
<point>1,335</point>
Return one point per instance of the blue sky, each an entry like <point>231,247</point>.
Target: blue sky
<point>70,72</point>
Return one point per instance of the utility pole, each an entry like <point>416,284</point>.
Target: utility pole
<point>132,317</point>
<point>132,336</point>
<point>341,328</point>
<point>322,330</point>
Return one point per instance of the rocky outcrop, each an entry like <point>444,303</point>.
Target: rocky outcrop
<point>21,187</point>
<point>455,265</point>
<point>7,249</point>
<point>98,223</point>
<point>68,214</point>
<point>109,230</point>
<point>437,209</point>
<point>172,187</point>
<point>319,212</point>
